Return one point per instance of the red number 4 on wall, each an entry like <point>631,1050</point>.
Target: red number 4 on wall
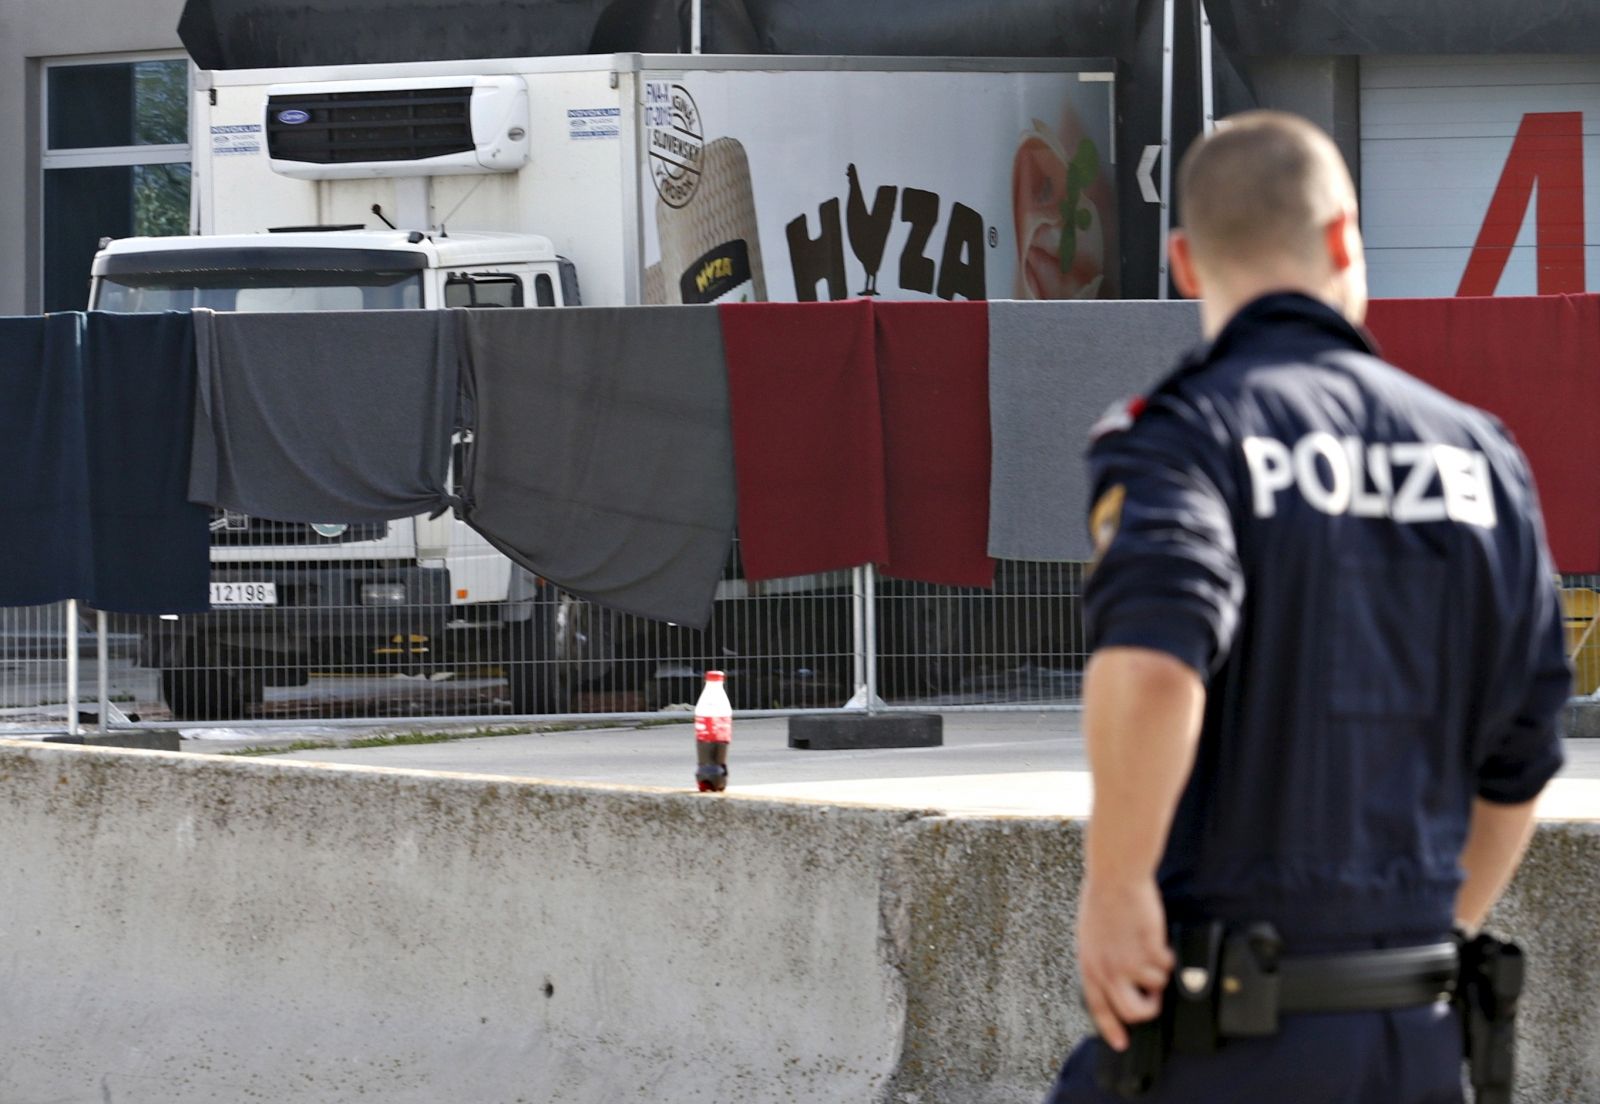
<point>1547,151</point>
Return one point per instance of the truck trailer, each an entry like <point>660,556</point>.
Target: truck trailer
<point>593,180</point>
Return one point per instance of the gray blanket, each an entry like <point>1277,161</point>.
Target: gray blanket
<point>331,416</point>
<point>603,457</point>
<point>1054,369</point>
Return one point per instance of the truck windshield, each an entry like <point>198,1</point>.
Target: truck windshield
<point>128,293</point>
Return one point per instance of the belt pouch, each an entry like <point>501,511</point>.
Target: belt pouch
<point>1248,1002</point>
<point>1193,991</point>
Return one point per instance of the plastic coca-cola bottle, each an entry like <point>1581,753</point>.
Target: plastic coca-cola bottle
<point>713,728</point>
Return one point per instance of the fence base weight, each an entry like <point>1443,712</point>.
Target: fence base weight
<point>857,731</point>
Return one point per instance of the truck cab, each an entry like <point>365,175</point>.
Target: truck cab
<point>344,268</point>
<point>288,595</point>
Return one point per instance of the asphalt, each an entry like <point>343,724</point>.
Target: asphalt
<point>991,763</point>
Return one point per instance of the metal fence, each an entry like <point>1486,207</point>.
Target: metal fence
<point>346,654</point>
<point>845,640</point>
<point>1581,607</point>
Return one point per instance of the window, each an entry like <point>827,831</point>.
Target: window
<point>463,289</point>
<point>544,291</point>
<point>260,291</point>
<point>116,163</point>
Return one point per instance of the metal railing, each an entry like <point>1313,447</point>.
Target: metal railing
<point>62,669</point>
<point>849,640</point>
<point>1580,600</point>
<point>823,642</point>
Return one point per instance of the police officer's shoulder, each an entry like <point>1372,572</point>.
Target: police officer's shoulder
<point>1437,417</point>
<point>1118,418</point>
<point>1123,415</point>
<point>1422,399</point>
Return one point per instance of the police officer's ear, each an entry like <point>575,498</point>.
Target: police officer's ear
<point>1180,252</point>
<point>1341,237</point>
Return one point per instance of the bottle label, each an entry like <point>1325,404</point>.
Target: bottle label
<point>713,730</point>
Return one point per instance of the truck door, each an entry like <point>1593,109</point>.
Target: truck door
<point>479,574</point>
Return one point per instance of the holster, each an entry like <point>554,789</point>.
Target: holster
<point>1135,1071</point>
<point>1224,983</point>
<point>1486,998</point>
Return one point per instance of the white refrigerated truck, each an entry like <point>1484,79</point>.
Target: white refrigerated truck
<point>639,179</point>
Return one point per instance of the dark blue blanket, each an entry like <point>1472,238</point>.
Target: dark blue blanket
<point>44,512</point>
<point>95,415</point>
<point>151,546</point>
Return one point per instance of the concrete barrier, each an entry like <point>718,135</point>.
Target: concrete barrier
<point>185,929</point>
<point>1582,719</point>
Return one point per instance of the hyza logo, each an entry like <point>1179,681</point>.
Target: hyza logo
<point>676,141</point>
<point>960,269</point>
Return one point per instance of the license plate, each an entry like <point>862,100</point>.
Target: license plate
<point>244,594</point>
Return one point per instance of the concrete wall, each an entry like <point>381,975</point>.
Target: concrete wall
<point>184,929</point>
<point>36,30</point>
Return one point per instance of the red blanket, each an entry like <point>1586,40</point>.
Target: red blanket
<point>807,436</point>
<point>933,376</point>
<point>1535,363</point>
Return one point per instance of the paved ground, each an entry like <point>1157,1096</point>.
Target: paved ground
<point>1025,763</point>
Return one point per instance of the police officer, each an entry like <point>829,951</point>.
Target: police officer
<point>1328,666</point>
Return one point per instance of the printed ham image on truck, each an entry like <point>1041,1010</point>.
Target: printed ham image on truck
<point>604,180</point>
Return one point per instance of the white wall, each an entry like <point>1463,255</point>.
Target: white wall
<point>1435,136</point>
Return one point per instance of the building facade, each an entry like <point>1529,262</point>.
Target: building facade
<point>95,96</point>
<point>1477,169</point>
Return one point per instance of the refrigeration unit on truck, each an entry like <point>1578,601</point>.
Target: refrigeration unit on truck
<point>640,179</point>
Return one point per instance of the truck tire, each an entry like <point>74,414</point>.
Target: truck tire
<point>208,693</point>
<point>532,672</point>
<point>285,676</point>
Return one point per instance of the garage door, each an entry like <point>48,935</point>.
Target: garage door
<point>1478,175</point>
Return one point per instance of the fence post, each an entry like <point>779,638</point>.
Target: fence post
<point>869,576</point>
<point>103,673</point>
<point>72,666</point>
<point>864,609</point>
<point>858,642</point>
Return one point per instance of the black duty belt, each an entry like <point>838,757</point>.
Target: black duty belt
<point>1367,981</point>
<point>1234,982</point>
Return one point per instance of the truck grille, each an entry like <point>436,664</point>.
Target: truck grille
<point>233,530</point>
<point>404,124</point>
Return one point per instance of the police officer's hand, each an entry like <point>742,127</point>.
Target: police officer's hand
<point>1122,953</point>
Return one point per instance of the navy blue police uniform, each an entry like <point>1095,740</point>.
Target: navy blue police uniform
<point>1355,565</point>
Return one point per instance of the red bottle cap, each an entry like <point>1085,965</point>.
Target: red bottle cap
<point>713,676</point>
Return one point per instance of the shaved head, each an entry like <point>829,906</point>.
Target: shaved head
<point>1263,185</point>
<point>1266,203</point>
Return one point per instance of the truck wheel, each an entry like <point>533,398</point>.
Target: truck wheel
<point>206,693</point>
<point>532,671</point>
<point>285,676</point>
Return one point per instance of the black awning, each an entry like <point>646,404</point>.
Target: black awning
<point>251,34</point>
<point>259,34</point>
<point>246,34</point>
<point>1376,27</point>
<point>941,28</point>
